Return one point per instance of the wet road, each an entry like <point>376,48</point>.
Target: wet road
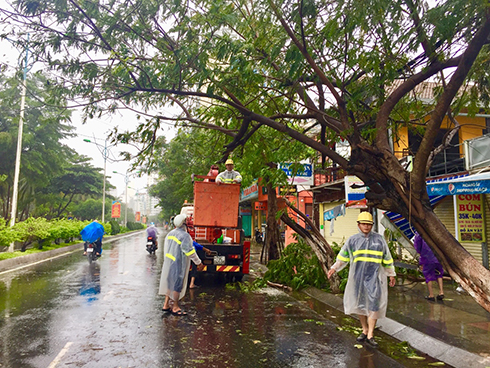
<point>67,313</point>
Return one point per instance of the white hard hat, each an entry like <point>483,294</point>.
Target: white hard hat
<point>179,220</point>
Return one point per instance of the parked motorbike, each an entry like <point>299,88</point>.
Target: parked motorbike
<point>151,245</point>
<point>91,252</point>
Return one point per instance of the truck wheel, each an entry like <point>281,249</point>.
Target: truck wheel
<point>239,277</point>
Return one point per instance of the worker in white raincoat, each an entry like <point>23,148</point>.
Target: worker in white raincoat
<point>178,252</point>
<point>366,292</point>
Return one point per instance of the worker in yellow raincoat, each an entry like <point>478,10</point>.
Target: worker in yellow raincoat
<point>178,252</point>
<point>366,292</point>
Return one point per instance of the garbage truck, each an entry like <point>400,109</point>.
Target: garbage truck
<point>214,223</point>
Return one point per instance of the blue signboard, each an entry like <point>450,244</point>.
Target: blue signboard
<point>301,177</point>
<point>307,170</point>
<point>459,187</point>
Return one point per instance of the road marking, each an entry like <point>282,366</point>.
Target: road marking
<point>38,262</point>
<point>60,355</point>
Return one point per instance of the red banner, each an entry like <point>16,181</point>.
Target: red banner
<point>138,216</point>
<point>116,209</point>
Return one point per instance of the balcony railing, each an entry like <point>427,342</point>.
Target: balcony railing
<point>328,175</point>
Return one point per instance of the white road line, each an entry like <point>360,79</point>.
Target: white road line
<point>38,262</point>
<point>60,355</point>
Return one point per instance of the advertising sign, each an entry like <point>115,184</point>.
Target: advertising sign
<point>459,187</point>
<point>138,216</point>
<point>301,177</point>
<point>293,189</point>
<point>250,192</point>
<point>471,227</point>
<point>116,209</point>
<point>354,197</point>
<point>260,206</point>
<point>245,211</point>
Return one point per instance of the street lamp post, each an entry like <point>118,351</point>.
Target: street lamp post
<point>104,155</point>
<point>15,193</point>
<point>126,180</point>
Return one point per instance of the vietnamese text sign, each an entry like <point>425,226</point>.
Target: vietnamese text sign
<point>458,187</point>
<point>355,197</point>
<point>250,192</point>
<point>471,227</point>
<point>116,209</point>
<point>300,177</point>
<point>293,189</point>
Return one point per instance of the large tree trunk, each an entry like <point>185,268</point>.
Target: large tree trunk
<point>316,241</point>
<point>273,240</point>
<point>390,188</point>
<point>460,264</point>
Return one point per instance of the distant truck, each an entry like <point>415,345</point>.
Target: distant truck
<point>213,222</point>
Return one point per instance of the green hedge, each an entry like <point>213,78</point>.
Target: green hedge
<point>136,226</point>
<point>115,228</point>
<point>43,232</point>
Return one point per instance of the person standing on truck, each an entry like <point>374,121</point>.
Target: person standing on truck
<point>213,171</point>
<point>178,252</point>
<point>229,176</point>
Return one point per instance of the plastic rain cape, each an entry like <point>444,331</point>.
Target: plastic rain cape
<point>370,260</point>
<point>92,232</point>
<point>176,263</point>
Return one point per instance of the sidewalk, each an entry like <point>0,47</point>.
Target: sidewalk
<point>455,331</point>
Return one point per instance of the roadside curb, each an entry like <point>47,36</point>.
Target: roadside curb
<point>426,344</point>
<point>12,264</point>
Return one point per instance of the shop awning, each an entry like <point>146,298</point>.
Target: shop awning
<point>470,184</point>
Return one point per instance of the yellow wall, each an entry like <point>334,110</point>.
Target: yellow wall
<point>344,226</point>
<point>470,128</point>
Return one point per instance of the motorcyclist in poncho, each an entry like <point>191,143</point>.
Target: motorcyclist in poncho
<point>152,232</point>
<point>366,292</point>
<point>178,252</point>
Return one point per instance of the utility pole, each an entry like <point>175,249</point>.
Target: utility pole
<point>104,152</point>
<point>19,145</point>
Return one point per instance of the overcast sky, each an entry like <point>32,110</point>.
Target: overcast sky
<point>100,129</point>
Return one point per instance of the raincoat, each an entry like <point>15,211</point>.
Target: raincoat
<point>432,268</point>
<point>227,177</point>
<point>426,254</point>
<point>366,292</point>
<point>152,231</point>
<point>178,251</point>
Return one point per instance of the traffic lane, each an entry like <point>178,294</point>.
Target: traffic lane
<point>265,328</point>
<point>66,300</point>
<point>108,315</point>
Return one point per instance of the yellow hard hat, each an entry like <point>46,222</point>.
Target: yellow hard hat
<point>365,218</point>
<point>229,162</point>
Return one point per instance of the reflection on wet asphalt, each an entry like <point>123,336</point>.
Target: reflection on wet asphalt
<point>67,313</point>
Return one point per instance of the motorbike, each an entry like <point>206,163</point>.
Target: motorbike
<point>151,245</point>
<point>91,252</point>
